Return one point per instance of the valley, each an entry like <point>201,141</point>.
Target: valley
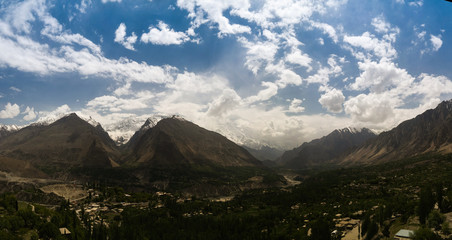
<point>176,180</point>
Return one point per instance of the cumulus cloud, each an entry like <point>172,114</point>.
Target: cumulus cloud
<point>212,11</point>
<point>295,106</point>
<point>372,108</point>
<point>259,54</point>
<point>332,100</point>
<point>226,102</point>
<point>120,37</point>
<point>436,42</point>
<point>324,73</point>
<point>106,1</point>
<point>10,111</point>
<point>371,43</point>
<point>163,35</point>
<point>30,114</point>
<point>299,58</point>
<point>380,76</point>
<point>23,53</point>
<point>381,25</point>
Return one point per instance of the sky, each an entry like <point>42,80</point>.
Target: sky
<point>275,72</point>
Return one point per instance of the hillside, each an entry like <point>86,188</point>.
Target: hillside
<point>430,131</point>
<point>321,151</point>
<point>68,142</point>
<point>175,141</point>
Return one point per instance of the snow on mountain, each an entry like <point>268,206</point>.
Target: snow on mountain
<point>123,130</point>
<point>5,130</point>
<point>9,128</point>
<point>353,130</point>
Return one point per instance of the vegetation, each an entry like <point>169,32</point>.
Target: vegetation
<point>413,193</point>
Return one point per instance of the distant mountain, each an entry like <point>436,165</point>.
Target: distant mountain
<point>177,142</point>
<point>430,131</point>
<point>166,154</point>
<point>122,131</point>
<point>265,153</point>
<point>321,151</point>
<point>68,142</point>
<point>6,130</point>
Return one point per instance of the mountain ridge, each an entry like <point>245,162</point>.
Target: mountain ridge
<point>430,131</point>
<point>325,149</point>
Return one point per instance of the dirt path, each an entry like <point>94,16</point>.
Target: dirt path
<point>353,234</point>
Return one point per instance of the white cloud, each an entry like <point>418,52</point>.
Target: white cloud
<point>116,104</point>
<point>416,3</point>
<point>370,43</point>
<point>381,76</point>
<point>120,37</point>
<point>223,104</point>
<point>332,100</point>
<point>10,111</point>
<point>299,58</point>
<point>84,4</point>
<point>259,54</point>
<point>324,73</point>
<point>436,42</point>
<point>15,89</point>
<point>265,94</point>
<point>23,53</point>
<point>106,1</point>
<point>371,108</point>
<point>49,117</point>
<point>295,106</point>
<point>381,26</point>
<point>327,29</point>
<point>163,35</point>
<point>212,11</point>
<point>30,114</point>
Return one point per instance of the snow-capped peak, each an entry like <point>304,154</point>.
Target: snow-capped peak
<point>9,128</point>
<point>353,130</point>
<point>349,129</point>
<point>47,120</point>
<point>91,121</point>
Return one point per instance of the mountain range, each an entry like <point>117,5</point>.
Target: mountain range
<point>73,148</point>
<point>172,151</point>
<point>428,132</point>
<point>324,150</point>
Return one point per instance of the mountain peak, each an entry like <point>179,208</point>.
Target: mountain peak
<point>323,150</point>
<point>430,131</point>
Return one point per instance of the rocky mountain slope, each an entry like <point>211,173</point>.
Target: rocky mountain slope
<point>430,131</point>
<point>175,141</point>
<point>323,150</point>
<point>66,143</point>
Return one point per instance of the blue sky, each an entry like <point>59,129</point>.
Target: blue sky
<point>277,72</point>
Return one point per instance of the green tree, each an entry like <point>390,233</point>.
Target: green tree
<point>49,231</point>
<point>435,219</point>
<point>425,234</point>
<point>445,228</point>
<point>372,231</point>
<point>426,203</point>
<point>320,230</point>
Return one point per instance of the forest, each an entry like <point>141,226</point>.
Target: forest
<point>414,193</point>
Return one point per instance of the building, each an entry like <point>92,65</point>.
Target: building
<point>403,234</point>
<point>64,231</point>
